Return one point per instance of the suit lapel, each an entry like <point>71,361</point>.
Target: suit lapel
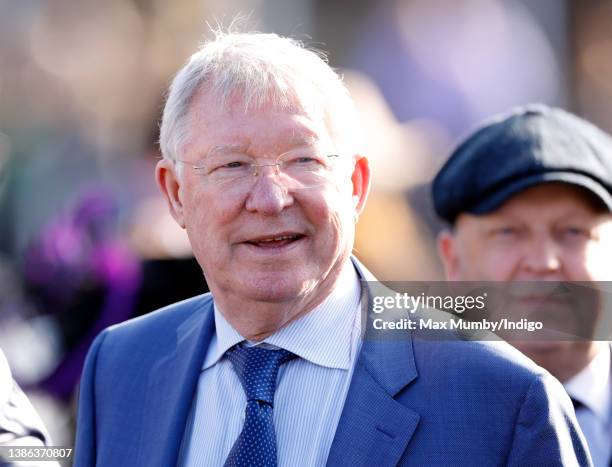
<point>374,428</point>
<point>171,388</point>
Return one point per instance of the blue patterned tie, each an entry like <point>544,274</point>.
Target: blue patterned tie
<point>256,368</point>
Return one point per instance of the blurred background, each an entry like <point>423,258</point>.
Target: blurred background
<point>85,240</point>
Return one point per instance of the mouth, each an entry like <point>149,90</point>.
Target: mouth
<point>275,241</point>
<point>541,300</point>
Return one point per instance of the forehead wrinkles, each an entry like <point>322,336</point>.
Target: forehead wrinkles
<point>545,211</point>
<point>308,105</point>
<point>558,196</point>
<point>239,102</point>
<point>246,139</point>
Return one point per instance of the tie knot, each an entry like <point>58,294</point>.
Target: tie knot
<point>257,369</point>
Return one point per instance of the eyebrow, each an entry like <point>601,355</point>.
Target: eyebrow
<point>301,140</point>
<point>296,141</point>
<point>227,148</point>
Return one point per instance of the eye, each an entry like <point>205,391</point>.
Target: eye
<point>573,233</point>
<point>506,231</point>
<point>298,163</point>
<point>225,165</point>
<point>300,158</point>
<point>232,165</point>
<point>305,160</point>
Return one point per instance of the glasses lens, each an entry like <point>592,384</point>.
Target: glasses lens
<point>296,169</point>
<point>305,168</point>
<point>228,168</point>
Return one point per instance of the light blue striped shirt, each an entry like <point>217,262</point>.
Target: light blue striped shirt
<point>310,391</point>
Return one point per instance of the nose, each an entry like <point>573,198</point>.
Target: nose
<point>542,258</point>
<point>268,196</point>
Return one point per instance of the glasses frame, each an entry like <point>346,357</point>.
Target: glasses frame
<point>254,166</point>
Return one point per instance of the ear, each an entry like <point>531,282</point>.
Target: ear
<point>170,185</point>
<point>447,250</point>
<point>361,182</point>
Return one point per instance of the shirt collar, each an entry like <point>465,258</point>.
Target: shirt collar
<point>323,336</point>
<point>592,385</point>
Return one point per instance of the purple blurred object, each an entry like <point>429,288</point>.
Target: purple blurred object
<point>81,272</point>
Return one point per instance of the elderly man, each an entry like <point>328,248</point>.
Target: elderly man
<point>274,366</point>
<point>528,197</point>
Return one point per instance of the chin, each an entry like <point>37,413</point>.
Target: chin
<point>274,288</point>
<point>538,349</point>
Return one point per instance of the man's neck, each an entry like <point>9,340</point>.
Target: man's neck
<point>265,318</point>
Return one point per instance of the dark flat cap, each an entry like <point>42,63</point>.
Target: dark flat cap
<point>532,145</point>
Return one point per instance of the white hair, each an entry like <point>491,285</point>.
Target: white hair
<point>259,69</point>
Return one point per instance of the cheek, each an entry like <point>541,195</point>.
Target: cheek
<point>206,217</point>
<point>332,215</point>
<point>341,214</point>
<point>490,263</point>
<point>596,254</point>
<point>208,210</point>
<point>594,263</point>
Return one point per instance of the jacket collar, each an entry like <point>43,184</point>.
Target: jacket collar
<point>374,428</point>
<point>167,406</point>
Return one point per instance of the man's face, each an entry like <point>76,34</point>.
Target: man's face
<point>550,232</point>
<point>265,240</point>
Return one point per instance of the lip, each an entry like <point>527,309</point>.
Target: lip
<point>273,248</point>
<point>549,309</point>
<point>259,238</point>
<point>541,300</point>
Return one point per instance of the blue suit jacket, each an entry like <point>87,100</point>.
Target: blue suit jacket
<point>412,401</point>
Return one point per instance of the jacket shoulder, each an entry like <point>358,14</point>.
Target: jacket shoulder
<point>144,337</point>
<point>163,319</point>
<point>490,361</point>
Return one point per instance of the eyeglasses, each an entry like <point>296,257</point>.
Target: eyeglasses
<point>296,169</point>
